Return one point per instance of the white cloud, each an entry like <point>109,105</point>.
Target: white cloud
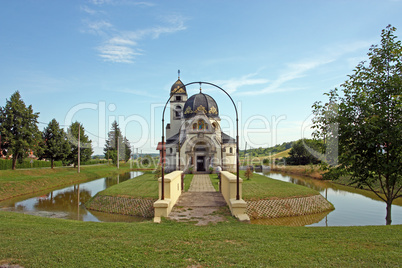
<point>117,53</point>
<point>88,10</point>
<point>122,46</point>
<point>233,85</point>
<point>99,27</point>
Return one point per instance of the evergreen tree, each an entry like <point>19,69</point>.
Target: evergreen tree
<point>85,144</point>
<point>18,129</point>
<point>55,144</point>
<point>127,150</point>
<point>115,140</point>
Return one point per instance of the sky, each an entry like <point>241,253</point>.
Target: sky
<point>97,61</point>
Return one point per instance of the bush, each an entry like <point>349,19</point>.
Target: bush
<point>26,163</point>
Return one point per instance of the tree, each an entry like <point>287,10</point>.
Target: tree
<point>368,116</point>
<point>55,144</point>
<point>248,173</point>
<point>85,144</point>
<point>300,155</point>
<point>18,128</point>
<point>115,140</point>
<point>127,149</point>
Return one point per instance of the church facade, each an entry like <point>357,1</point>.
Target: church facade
<point>194,139</point>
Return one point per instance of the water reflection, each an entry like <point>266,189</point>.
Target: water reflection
<point>352,206</point>
<point>67,202</point>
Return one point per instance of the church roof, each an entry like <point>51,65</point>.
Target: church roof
<point>227,139</point>
<point>178,88</point>
<point>200,103</point>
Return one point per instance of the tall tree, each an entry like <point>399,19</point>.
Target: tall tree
<point>115,140</point>
<point>85,144</point>
<point>55,144</point>
<point>127,149</point>
<point>18,128</point>
<point>368,116</point>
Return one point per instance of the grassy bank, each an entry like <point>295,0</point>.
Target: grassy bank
<point>312,171</point>
<point>40,242</point>
<point>144,186</point>
<point>262,187</point>
<point>20,182</point>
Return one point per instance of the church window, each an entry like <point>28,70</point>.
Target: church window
<point>194,126</point>
<point>201,124</point>
<point>231,150</point>
<point>178,98</point>
<point>171,150</point>
<point>178,111</point>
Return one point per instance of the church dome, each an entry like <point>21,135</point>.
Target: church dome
<point>200,103</point>
<point>178,88</point>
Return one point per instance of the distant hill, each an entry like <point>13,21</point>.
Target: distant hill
<point>277,151</point>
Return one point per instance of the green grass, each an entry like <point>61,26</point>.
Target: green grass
<point>20,182</point>
<point>187,181</point>
<point>215,181</point>
<point>40,242</point>
<point>143,186</point>
<point>262,187</point>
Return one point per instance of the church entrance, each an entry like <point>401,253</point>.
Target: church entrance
<point>201,163</point>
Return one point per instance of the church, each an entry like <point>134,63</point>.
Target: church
<point>194,139</point>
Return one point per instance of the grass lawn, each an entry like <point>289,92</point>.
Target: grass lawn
<point>145,186</point>
<point>19,182</point>
<point>41,242</point>
<point>262,187</point>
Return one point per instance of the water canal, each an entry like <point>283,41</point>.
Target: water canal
<point>353,207</point>
<point>67,203</point>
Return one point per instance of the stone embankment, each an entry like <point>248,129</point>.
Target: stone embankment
<point>122,205</point>
<point>287,207</point>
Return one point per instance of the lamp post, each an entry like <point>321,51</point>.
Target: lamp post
<point>237,139</point>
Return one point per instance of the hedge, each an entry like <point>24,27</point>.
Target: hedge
<point>26,163</point>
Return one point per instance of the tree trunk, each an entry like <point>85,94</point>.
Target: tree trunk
<point>51,162</point>
<point>15,157</point>
<point>388,217</point>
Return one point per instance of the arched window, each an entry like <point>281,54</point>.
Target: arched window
<point>201,124</point>
<point>195,126</point>
<point>231,150</point>
<point>177,111</point>
<point>171,150</point>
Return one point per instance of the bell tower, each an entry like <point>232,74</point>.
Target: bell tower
<point>178,97</point>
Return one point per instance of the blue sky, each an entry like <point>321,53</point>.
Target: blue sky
<point>99,60</point>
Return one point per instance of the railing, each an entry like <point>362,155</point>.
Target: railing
<point>229,189</point>
<point>173,189</point>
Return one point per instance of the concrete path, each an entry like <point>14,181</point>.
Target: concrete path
<point>201,204</point>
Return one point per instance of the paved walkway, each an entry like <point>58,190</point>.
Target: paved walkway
<point>201,204</point>
<point>201,183</point>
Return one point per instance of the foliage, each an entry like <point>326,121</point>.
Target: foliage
<point>85,144</point>
<point>266,151</point>
<point>300,154</point>
<point>18,129</point>
<point>26,163</point>
<point>158,172</point>
<point>116,142</point>
<point>368,120</point>
<point>55,144</point>
<point>249,173</point>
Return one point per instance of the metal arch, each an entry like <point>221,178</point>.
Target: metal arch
<point>237,138</point>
